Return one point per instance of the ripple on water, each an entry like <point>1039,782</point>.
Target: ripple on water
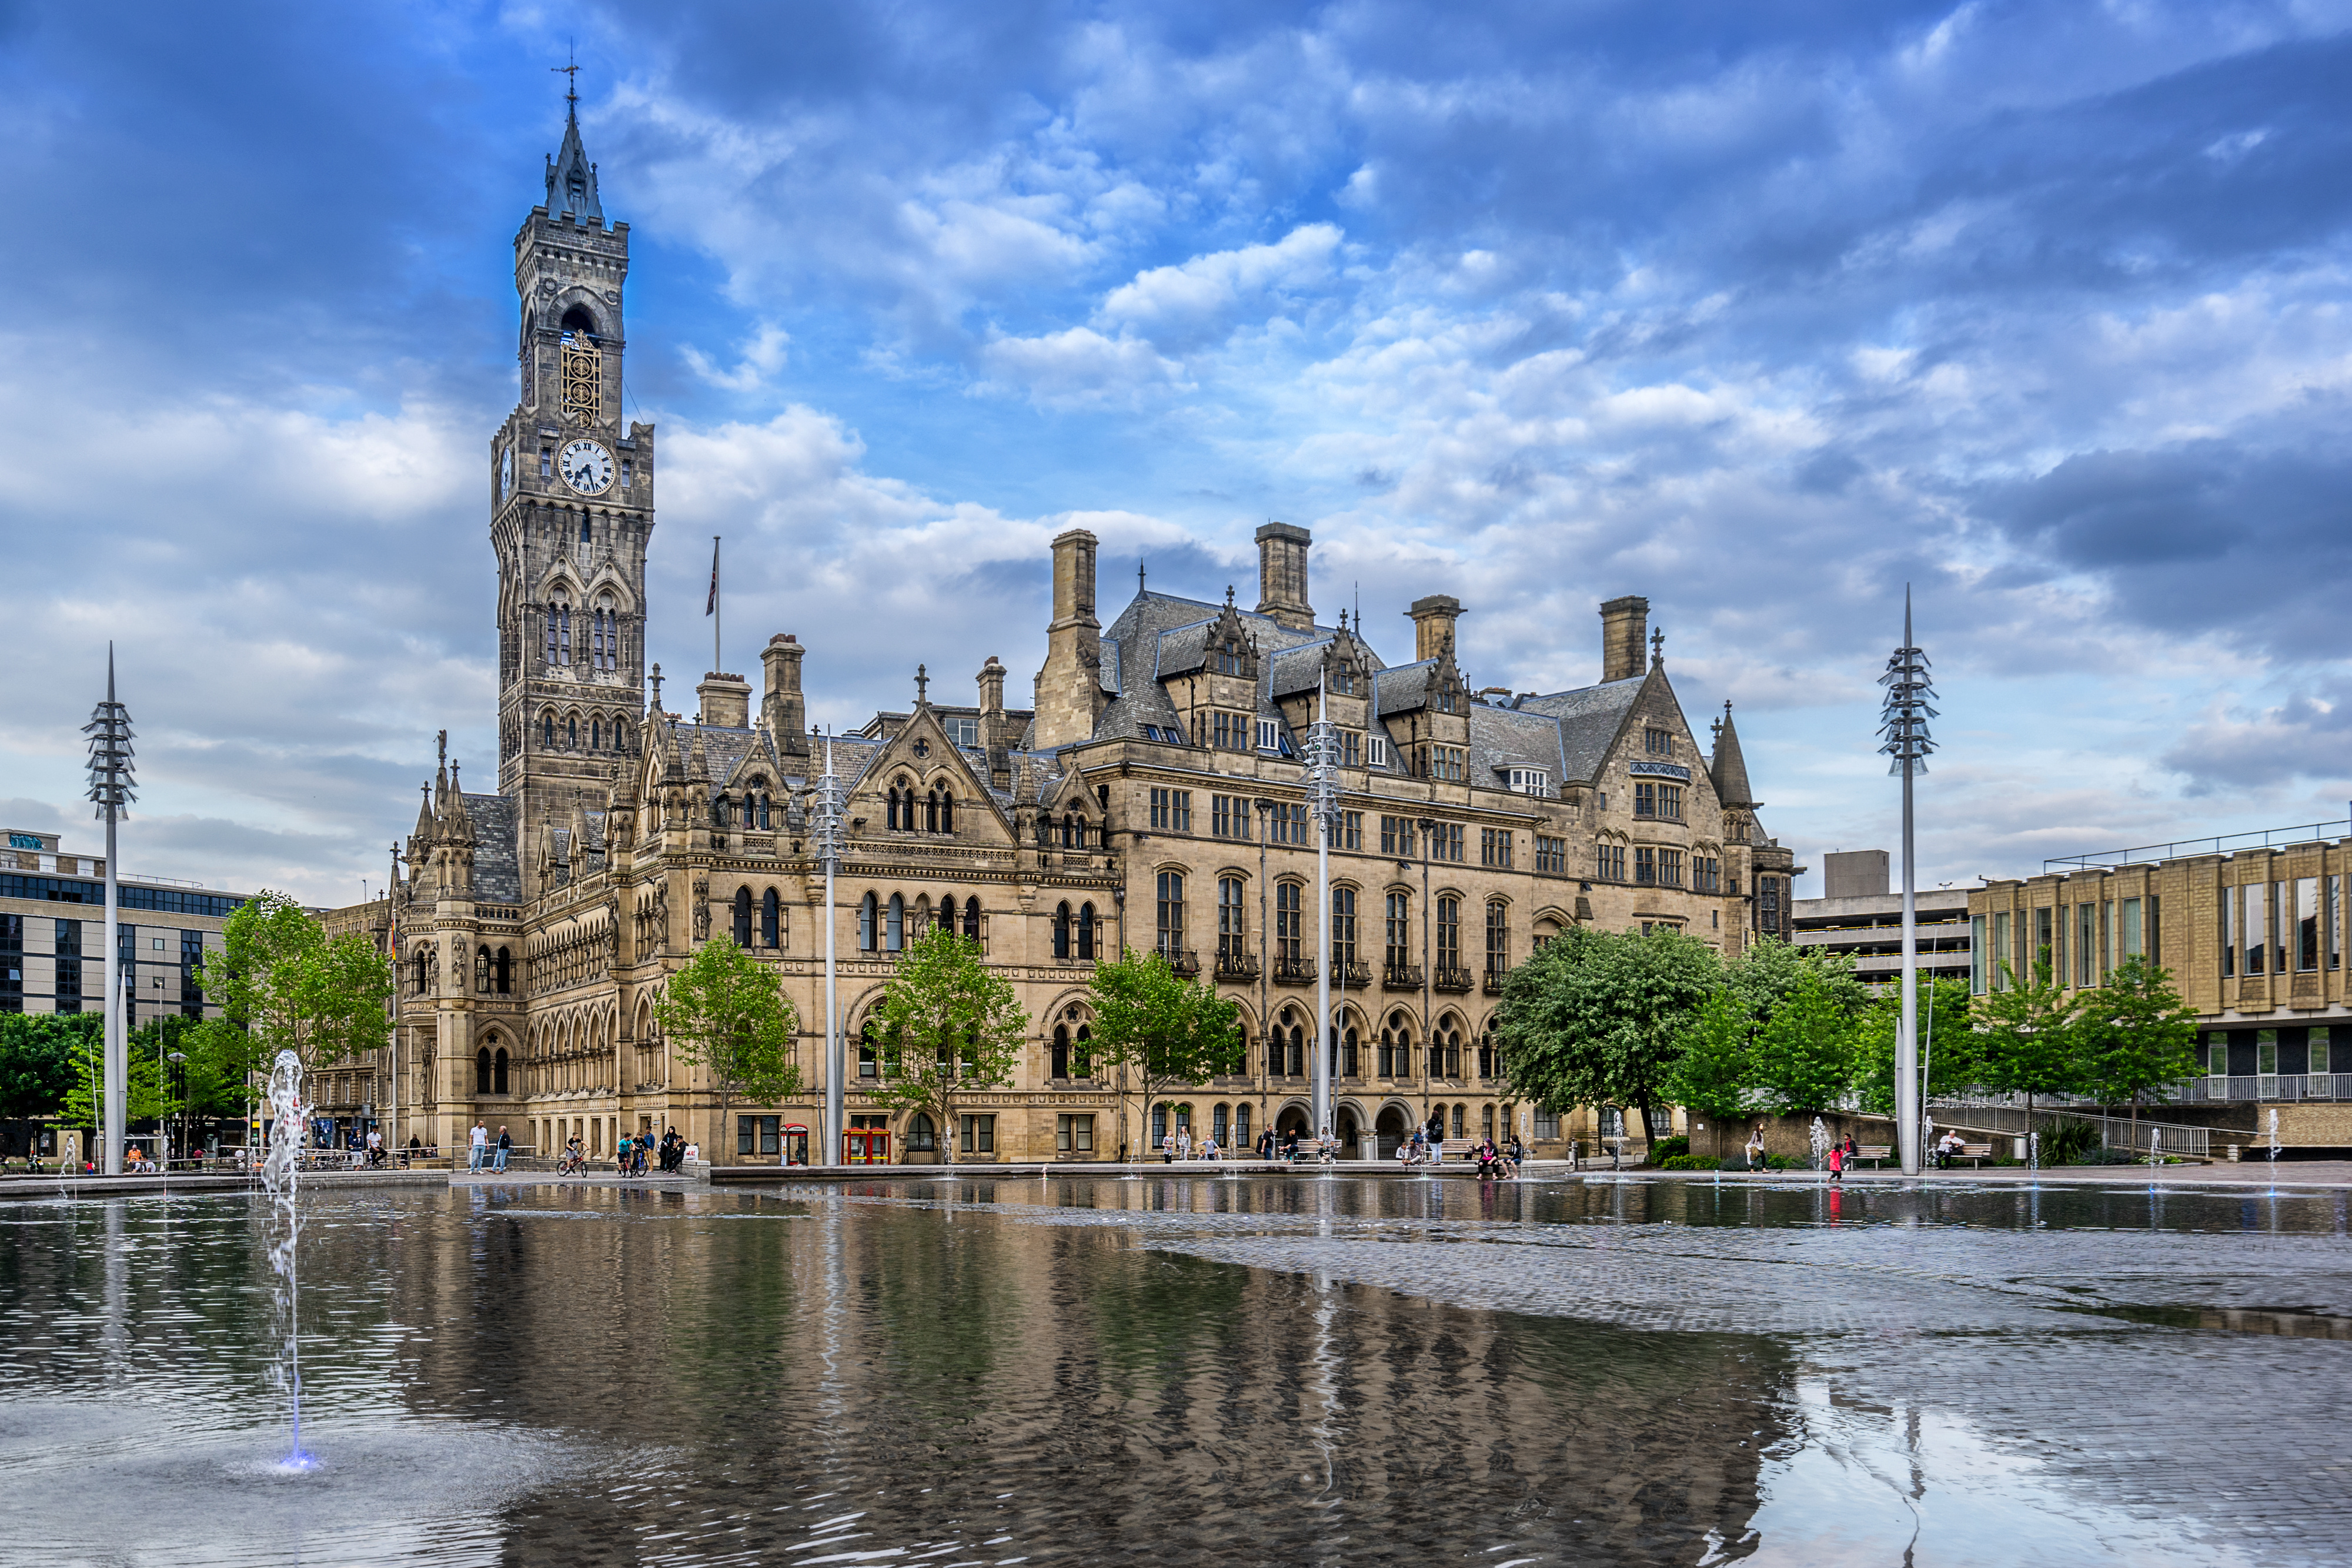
<point>168,1487</point>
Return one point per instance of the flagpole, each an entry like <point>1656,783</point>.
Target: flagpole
<point>717,664</point>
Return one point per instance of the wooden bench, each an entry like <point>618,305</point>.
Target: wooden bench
<point>1876,1153</point>
<point>1975,1154</point>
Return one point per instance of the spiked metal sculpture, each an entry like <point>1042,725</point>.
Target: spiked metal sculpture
<point>112,787</point>
<point>1903,726</point>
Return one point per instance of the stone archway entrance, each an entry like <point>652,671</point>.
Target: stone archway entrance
<point>1292,1119</point>
<point>1350,1133</point>
<point>1391,1131</point>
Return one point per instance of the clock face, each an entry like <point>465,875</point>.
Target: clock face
<point>586,468</point>
<point>506,473</point>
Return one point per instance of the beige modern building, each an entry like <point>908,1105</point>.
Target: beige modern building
<point>1152,795</point>
<point>2254,936</point>
<point>53,933</point>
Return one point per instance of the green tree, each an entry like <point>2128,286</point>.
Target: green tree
<point>1948,1046</point>
<point>1161,1030</point>
<point>148,1101</point>
<point>2134,1035</point>
<point>726,1012</point>
<point>948,1026</point>
<point>291,986</point>
<point>1598,1018</point>
<point>1711,1077</point>
<point>2025,1037</point>
<point>37,1056</point>
<point>1769,970</point>
<point>1804,1056</point>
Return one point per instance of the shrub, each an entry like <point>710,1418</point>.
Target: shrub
<point>1689,1163</point>
<point>2099,1157</point>
<point>1667,1149</point>
<point>2066,1140</point>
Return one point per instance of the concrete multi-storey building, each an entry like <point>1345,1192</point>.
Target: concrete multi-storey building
<point>53,933</point>
<point>1858,918</point>
<point>1151,797</point>
<point>2253,933</point>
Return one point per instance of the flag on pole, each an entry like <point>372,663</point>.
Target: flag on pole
<point>712,608</point>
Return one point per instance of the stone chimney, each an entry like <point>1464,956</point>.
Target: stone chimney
<point>782,710</point>
<point>1432,624</point>
<point>1282,575</point>
<point>1069,688</point>
<point>994,740</point>
<point>1624,628</point>
<point>726,701</point>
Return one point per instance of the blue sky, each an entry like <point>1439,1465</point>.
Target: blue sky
<point>1760,311</point>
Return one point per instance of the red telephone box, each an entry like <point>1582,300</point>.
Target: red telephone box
<point>865,1146</point>
<point>796,1138</point>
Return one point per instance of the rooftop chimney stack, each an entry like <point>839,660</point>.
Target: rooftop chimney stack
<point>1069,688</point>
<point>1624,628</point>
<point>782,711</point>
<point>1282,575</point>
<point>726,701</point>
<point>1432,624</point>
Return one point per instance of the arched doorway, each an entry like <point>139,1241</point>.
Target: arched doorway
<point>1350,1132</point>
<point>1291,1118</point>
<point>1388,1133</point>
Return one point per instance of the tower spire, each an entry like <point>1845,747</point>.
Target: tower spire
<point>570,178</point>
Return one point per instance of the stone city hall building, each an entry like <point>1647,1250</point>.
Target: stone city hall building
<point>1152,796</point>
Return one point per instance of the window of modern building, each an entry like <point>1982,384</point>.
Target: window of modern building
<point>2306,923</point>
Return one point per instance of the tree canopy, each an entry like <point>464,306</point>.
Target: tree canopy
<point>2134,1035</point>
<point>949,1025</point>
<point>726,1012</point>
<point>1600,1017</point>
<point>278,976</point>
<point>39,1058</point>
<point>1162,1029</point>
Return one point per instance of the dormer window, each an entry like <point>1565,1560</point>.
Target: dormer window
<point>1230,659</point>
<point>1448,700</point>
<point>1343,679</point>
<point>1530,781</point>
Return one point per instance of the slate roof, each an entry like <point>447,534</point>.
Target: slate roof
<point>498,859</point>
<point>1589,718</point>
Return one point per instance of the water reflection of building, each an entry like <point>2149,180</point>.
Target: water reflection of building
<point>1152,796</point>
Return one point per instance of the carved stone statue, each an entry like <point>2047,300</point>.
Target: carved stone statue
<point>702,909</point>
<point>661,916</point>
<point>612,930</point>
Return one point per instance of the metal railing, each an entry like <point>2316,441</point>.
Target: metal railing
<point>1452,978</point>
<point>1294,971</point>
<point>2303,833</point>
<point>2114,1131</point>
<point>1234,965</point>
<point>1401,978</point>
<point>2254,1086</point>
<point>1351,977</point>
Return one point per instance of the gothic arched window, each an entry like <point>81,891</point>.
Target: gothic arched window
<point>743,917</point>
<point>572,732</point>
<point>1062,931</point>
<point>502,971</point>
<point>482,970</point>
<point>770,920</point>
<point>424,970</point>
<point>894,930</point>
<point>498,1071</point>
<point>1061,1051</point>
<point>865,910</point>
<point>972,917</point>
<point>1086,930</point>
<point>932,812</point>
<point>482,1071</point>
<point>946,921</point>
<point>595,735</point>
<point>547,728</point>
<point>947,811</point>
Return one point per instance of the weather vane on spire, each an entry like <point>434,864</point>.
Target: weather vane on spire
<point>571,73</point>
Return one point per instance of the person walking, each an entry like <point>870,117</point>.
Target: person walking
<point>506,1147</point>
<point>1266,1144</point>
<point>478,1143</point>
<point>1837,1163</point>
<point>1756,1149</point>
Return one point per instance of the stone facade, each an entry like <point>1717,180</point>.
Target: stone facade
<point>1153,796</point>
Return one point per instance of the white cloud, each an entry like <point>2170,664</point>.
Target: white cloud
<point>762,356</point>
<point>1193,298</point>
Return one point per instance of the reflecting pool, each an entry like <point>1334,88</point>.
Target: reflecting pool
<point>1327,1371</point>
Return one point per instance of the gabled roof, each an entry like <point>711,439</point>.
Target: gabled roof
<point>1589,718</point>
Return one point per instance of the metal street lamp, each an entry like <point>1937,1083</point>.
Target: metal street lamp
<point>178,1059</point>
<point>1904,725</point>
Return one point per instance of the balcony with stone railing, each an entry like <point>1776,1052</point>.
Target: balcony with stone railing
<point>1451,978</point>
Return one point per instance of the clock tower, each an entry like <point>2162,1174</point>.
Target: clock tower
<point>571,511</point>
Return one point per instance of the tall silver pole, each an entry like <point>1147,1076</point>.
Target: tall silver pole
<point>829,846</point>
<point>109,787</point>
<point>1320,788</point>
<point>1905,726</point>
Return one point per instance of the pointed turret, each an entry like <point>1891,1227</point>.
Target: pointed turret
<point>1726,766</point>
<point>570,178</point>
